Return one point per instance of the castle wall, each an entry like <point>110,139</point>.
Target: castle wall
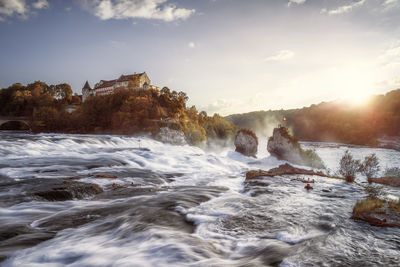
<point>141,81</point>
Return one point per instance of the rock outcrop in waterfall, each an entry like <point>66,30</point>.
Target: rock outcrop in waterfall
<point>246,142</point>
<point>286,147</point>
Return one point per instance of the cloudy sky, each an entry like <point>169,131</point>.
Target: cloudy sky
<point>230,56</point>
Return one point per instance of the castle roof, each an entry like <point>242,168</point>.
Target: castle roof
<point>125,78</point>
<point>87,86</point>
<point>122,78</point>
<point>104,84</point>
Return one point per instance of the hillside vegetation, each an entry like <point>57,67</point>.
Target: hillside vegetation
<point>333,121</point>
<point>124,112</point>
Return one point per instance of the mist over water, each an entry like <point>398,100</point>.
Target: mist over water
<point>179,206</point>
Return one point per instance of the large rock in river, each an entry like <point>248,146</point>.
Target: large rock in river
<point>62,190</point>
<point>284,169</point>
<point>246,142</point>
<point>286,147</point>
<point>175,137</point>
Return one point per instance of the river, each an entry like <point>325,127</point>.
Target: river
<point>165,205</point>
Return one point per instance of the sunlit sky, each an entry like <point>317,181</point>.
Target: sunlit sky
<point>230,56</point>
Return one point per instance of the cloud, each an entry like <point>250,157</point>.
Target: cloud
<point>281,55</point>
<point>191,45</point>
<point>221,106</point>
<point>390,2</point>
<point>391,57</point>
<point>233,105</point>
<point>343,9</point>
<point>19,8</point>
<point>10,8</point>
<point>297,2</point>
<point>41,4</point>
<point>390,83</point>
<point>392,52</point>
<point>145,9</point>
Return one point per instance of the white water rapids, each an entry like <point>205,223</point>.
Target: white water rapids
<point>179,206</point>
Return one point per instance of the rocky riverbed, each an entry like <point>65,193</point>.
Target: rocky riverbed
<point>85,200</point>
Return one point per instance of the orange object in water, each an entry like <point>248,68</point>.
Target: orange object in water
<point>308,187</point>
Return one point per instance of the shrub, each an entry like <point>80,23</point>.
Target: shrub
<point>369,205</point>
<point>374,191</point>
<point>370,166</point>
<point>395,206</point>
<point>349,166</point>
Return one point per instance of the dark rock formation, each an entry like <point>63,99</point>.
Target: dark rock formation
<point>286,147</point>
<point>246,142</point>
<point>51,189</point>
<point>391,181</point>
<point>284,169</point>
<point>106,176</point>
<point>66,190</point>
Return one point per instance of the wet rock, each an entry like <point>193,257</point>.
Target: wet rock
<point>66,190</point>
<point>175,137</point>
<point>286,147</point>
<point>53,189</point>
<point>392,181</point>
<point>284,169</point>
<point>246,142</point>
<point>305,181</point>
<point>106,175</point>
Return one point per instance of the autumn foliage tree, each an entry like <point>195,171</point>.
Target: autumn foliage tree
<point>124,112</point>
<point>334,121</point>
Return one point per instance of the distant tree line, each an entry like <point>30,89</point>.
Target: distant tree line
<point>334,121</point>
<point>20,100</point>
<point>124,112</point>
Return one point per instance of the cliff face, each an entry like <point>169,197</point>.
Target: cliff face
<point>286,147</point>
<point>282,146</point>
<point>246,143</point>
<point>175,137</point>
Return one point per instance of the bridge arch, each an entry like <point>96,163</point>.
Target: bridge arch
<point>14,123</point>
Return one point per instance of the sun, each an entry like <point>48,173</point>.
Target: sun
<point>355,87</point>
<point>357,97</point>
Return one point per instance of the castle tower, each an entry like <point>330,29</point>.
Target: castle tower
<point>86,91</point>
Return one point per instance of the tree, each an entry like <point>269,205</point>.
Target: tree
<point>370,166</point>
<point>349,166</point>
<point>46,118</point>
<point>76,99</point>
<point>37,88</point>
<point>61,91</point>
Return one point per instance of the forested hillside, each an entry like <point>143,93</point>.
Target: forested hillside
<point>333,121</point>
<point>124,112</point>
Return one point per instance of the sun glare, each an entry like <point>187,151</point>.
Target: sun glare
<point>357,97</point>
<point>356,88</point>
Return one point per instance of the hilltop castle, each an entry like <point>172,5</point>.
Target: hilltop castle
<point>134,81</point>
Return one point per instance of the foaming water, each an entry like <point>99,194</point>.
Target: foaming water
<point>165,205</point>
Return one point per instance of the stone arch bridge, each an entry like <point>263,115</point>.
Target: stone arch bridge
<point>5,119</point>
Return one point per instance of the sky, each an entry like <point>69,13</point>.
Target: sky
<point>229,56</point>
